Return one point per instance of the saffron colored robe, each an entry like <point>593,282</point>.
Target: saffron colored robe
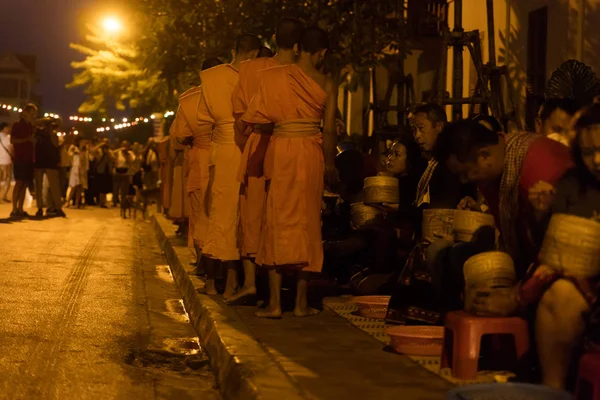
<point>180,205</point>
<point>185,125</point>
<point>166,171</point>
<point>251,176</point>
<point>215,111</point>
<point>294,167</point>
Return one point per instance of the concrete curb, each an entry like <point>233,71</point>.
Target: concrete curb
<point>243,368</point>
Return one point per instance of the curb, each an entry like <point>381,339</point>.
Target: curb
<point>242,367</point>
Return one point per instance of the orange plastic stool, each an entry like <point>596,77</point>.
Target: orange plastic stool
<point>588,381</point>
<point>467,331</point>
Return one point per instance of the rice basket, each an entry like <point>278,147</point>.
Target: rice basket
<point>572,246</point>
<point>381,189</point>
<point>466,224</point>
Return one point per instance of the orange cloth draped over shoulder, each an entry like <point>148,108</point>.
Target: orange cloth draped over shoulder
<point>221,242</point>
<point>294,167</point>
<point>190,120</point>
<point>252,191</point>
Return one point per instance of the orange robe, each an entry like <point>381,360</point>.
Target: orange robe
<point>252,191</point>
<point>166,171</point>
<point>215,107</point>
<point>185,125</point>
<point>179,207</point>
<point>294,167</point>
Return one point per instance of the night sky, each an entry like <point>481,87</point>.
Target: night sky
<point>45,28</point>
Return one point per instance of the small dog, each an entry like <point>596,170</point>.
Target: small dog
<point>126,206</point>
<point>145,198</point>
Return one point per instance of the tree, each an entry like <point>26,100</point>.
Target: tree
<point>114,76</point>
<point>179,34</point>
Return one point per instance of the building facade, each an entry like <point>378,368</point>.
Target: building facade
<point>18,76</point>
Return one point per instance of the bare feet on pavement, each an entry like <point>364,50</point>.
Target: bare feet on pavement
<point>243,292</point>
<point>269,313</point>
<point>210,287</point>
<point>305,312</point>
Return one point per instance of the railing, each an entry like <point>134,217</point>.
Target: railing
<point>427,18</point>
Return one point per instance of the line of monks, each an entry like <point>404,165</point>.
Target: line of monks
<point>263,142</point>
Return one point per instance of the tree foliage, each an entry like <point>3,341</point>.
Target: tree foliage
<point>177,35</point>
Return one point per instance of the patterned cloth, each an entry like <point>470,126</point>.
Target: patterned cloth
<point>517,145</point>
<point>423,186</point>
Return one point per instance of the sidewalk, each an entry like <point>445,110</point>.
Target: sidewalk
<point>322,357</point>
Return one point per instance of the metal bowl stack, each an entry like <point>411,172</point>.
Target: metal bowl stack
<point>363,215</point>
<point>381,189</point>
<point>492,269</point>
<point>437,222</point>
<point>466,223</point>
<point>571,245</point>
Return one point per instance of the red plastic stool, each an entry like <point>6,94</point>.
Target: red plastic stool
<point>588,381</point>
<point>467,332</point>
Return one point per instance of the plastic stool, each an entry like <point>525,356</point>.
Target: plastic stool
<point>588,381</point>
<point>467,332</point>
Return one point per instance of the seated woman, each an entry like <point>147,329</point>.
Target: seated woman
<point>560,328</point>
<point>378,249</point>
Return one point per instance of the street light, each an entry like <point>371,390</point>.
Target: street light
<point>112,25</point>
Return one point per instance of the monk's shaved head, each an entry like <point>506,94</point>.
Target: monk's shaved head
<point>211,62</point>
<point>265,52</point>
<point>246,43</point>
<point>288,33</point>
<point>314,40</point>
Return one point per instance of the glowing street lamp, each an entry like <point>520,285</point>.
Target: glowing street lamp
<point>112,25</point>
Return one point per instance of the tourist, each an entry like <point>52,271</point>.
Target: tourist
<point>104,162</point>
<point>22,141</point>
<point>296,98</point>
<point>78,176</point>
<point>47,160</point>
<point>6,162</point>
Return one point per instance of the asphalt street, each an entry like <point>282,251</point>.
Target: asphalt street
<point>89,310</point>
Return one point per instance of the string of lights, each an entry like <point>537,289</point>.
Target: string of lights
<point>127,124</point>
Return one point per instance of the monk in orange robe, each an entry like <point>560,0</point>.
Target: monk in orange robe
<point>187,132</point>
<point>252,193</point>
<point>215,111</point>
<point>296,98</point>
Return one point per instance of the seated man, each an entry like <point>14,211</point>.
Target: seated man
<point>418,293</point>
<point>554,118</point>
<point>505,168</point>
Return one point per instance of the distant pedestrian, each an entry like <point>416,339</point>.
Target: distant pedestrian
<point>22,140</point>
<point>78,179</point>
<point>47,161</point>
<point>6,162</point>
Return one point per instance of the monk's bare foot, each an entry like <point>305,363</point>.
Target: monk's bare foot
<point>229,293</point>
<point>242,294</point>
<point>210,287</point>
<point>269,313</point>
<point>305,312</point>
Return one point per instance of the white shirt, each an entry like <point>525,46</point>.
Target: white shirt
<point>5,158</point>
<point>121,161</point>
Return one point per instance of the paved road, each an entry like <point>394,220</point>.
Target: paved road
<point>88,310</point>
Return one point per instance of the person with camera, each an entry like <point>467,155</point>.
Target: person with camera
<point>124,160</point>
<point>6,162</point>
<point>22,141</point>
<point>47,160</point>
<point>104,162</point>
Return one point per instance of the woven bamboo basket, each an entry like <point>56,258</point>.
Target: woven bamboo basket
<point>437,221</point>
<point>374,307</point>
<point>572,246</point>
<point>466,224</point>
<point>381,189</point>
<point>489,268</point>
<point>417,340</point>
<point>363,215</point>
